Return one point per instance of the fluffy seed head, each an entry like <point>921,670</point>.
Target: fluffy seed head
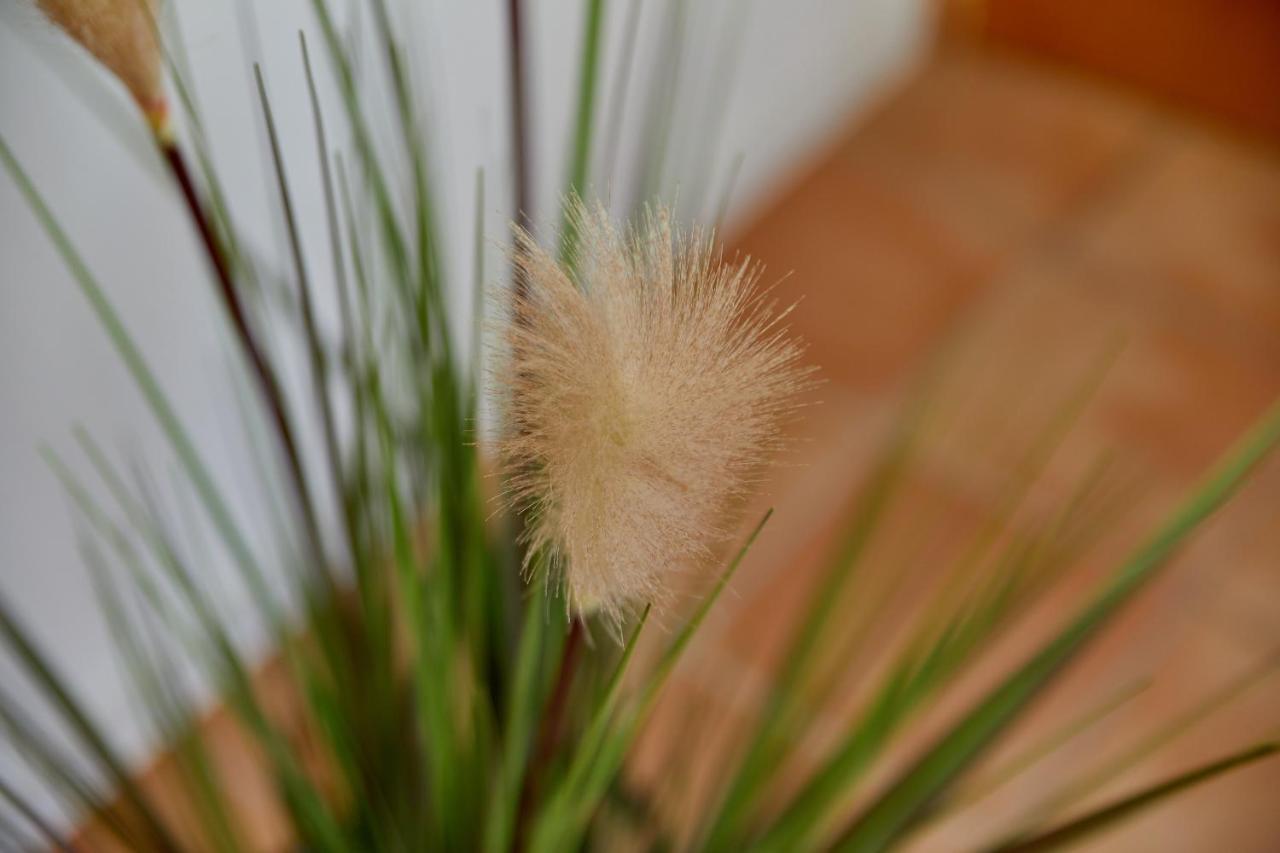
<point>121,35</point>
<point>645,383</point>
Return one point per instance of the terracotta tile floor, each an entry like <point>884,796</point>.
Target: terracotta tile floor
<point>1031,220</point>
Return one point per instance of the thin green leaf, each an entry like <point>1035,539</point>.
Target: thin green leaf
<point>661,105</point>
<point>946,635</point>
<point>365,147</point>
<point>157,401</point>
<point>211,647</point>
<point>315,350</point>
<point>709,127</point>
<point>431,658</point>
<point>158,688</point>
<point>64,775</point>
<point>767,745</point>
<point>1157,739</point>
<point>895,811</point>
<point>618,96</point>
<point>32,816</point>
<point>55,689</point>
<point>599,756</point>
<point>569,806</point>
<point>1107,817</point>
<point>1047,745</point>
<point>521,722</point>
<point>580,155</point>
<point>477,308</point>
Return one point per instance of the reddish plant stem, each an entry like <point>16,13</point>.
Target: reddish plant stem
<point>519,130</point>
<point>523,200</point>
<point>550,731</point>
<point>263,373</point>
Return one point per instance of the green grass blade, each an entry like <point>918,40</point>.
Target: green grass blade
<point>660,108</point>
<point>709,126</point>
<point>1044,747</point>
<point>330,694</point>
<point>767,745</point>
<point>428,300</point>
<point>63,775</point>
<point>570,805</point>
<point>341,283</point>
<point>315,350</point>
<point>1028,471</point>
<point>320,370</point>
<point>477,310</point>
<point>1157,739</point>
<point>55,689</point>
<point>1109,816</point>
<point>212,646</point>
<point>607,175</point>
<point>32,816</point>
<point>431,639</point>
<point>158,688</point>
<point>157,401</point>
<point>600,756</point>
<point>365,147</point>
<point>137,514</point>
<point>946,635</point>
<point>580,154</point>
<point>673,653</point>
<point>521,722</point>
<point>895,811</point>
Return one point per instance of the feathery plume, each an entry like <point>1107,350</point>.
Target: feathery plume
<point>646,382</point>
<point>121,35</point>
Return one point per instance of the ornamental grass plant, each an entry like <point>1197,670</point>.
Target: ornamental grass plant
<point>457,609</point>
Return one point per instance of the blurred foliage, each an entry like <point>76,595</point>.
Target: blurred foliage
<point>435,700</point>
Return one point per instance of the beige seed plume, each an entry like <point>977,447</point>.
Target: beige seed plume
<point>639,405</point>
<point>121,35</point>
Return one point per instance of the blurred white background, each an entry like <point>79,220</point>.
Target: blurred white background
<point>799,71</point>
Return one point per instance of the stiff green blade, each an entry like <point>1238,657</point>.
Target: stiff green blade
<point>910,795</point>
<point>92,738</point>
<point>1055,740</point>
<point>579,158</point>
<point>768,744</point>
<point>522,716</point>
<point>1160,737</point>
<point>1109,816</point>
<point>599,757</point>
<point>154,395</point>
<point>31,816</point>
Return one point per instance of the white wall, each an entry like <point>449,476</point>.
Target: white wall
<point>803,67</point>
